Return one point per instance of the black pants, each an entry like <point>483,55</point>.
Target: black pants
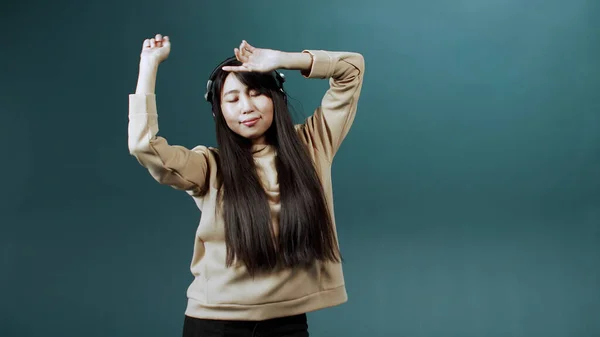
<point>292,326</point>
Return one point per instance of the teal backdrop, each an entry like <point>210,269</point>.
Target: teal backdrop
<point>467,192</point>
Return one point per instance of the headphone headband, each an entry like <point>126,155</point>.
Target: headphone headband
<point>279,77</point>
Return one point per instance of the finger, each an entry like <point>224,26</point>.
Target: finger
<point>152,43</point>
<point>158,37</point>
<point>166,41</point>
<point>248,47</point>
<point>238,55</point>
<point>243,51</point>
<point>146,43</point>
<point>235,68</point>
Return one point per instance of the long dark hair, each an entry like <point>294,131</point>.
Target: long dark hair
<point>306,231</point>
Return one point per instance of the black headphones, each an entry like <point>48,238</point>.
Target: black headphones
<point>279,77</point>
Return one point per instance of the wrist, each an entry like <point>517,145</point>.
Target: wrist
<point>148,64</point>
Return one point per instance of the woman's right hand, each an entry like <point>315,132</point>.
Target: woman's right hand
<point>156,49</point>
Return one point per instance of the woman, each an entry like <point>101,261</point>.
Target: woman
<point>266,249</point>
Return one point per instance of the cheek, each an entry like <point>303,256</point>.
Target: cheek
<point>229,115</point>
<point>266,107</point>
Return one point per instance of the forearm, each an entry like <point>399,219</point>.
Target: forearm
<point>146,83</point>
<point>295,61</point>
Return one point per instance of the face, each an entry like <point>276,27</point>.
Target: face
<point>247,112</point>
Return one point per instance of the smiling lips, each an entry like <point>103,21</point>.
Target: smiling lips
<point>251,121</point>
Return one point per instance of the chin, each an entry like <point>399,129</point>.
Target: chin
<point>253,136</point>
<point>248,135</point>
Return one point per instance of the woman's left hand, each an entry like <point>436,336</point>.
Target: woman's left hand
<point>255,59</point>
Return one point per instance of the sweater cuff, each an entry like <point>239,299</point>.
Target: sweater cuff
<point>322,65</point>
<point>142,104</point>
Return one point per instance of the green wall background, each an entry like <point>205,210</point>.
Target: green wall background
<point>467,193</point>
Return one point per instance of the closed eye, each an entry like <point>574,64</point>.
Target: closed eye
<point>232,97</point>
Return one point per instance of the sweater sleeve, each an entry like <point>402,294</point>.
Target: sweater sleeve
<point>331,121</point>
<point>171,165</point>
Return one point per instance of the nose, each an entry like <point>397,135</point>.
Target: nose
<point>246,104</point>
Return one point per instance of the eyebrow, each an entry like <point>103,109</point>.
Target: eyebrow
<point>234,91</point>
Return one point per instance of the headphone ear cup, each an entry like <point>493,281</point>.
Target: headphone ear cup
<point>208,89</point>
<point>280,77</point>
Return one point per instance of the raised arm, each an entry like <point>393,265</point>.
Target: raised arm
<point>331,121</point>
<point>172,165</point>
